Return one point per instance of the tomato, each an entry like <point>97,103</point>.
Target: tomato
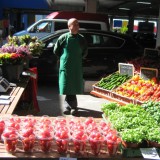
<point>112,148</point>
<point>28,143</point>
<point>45,144</point>
<point>62,145</point>
<point>10,142</point>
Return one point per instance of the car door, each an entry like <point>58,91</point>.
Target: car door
<point>103,52</point>
<point>41,29</point>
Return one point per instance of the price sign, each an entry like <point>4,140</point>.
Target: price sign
<point>125,68</point>
<point>151,53</point>
<point>148,73</point>
<point>149,153</point>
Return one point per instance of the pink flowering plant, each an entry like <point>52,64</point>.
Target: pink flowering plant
<point>31,46</point>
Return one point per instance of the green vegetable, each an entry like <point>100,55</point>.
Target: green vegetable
<point>133,135</point>
<point>154,135</point>
<point>112,81</point>
<point>153,108</point>
<point>131,121</point>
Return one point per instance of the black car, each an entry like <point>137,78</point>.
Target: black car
<point>105,51</point>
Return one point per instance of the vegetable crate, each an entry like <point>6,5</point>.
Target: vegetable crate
<point>122,98</point>
<point>101,90</point>
<point>104,88</point>
<point>135,101</point>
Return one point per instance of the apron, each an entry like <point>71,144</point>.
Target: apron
<point>70,73</point>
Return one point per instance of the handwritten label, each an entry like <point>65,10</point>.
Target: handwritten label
<point>151,53</point>
<point>148,73</point>
<point>149,153</point>
<point>125,68</point>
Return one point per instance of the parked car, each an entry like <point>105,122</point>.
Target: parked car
<point>58,20</point>
<point>105,51</point>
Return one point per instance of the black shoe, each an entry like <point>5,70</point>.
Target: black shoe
<point>67,111</point>
<point>74,111</point>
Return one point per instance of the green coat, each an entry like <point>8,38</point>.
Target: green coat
<point>70,50</point>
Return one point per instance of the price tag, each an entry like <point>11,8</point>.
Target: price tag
<point>67,158</point>
<point>125,68</point>
<point>148,73</point>
<point>150,153</point>
<point>151,53</point>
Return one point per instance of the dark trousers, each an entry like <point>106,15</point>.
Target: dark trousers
<point>70,101</point>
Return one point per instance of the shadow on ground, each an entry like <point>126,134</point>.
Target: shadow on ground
<point>51,104</point>
<point>88,113</point>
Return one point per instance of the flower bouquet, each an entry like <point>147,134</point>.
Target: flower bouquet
<point>11,58</point>
<point>26,45</point>
<point>16,53</point>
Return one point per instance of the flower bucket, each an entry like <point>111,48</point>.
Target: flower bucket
<point>12,72</point>
<point>26,63</point>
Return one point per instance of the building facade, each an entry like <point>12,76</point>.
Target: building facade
<point>20,14</point>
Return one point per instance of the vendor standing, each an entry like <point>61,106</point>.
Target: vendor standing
<point>70,49</point>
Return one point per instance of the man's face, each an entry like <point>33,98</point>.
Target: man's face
<point>74,27</point>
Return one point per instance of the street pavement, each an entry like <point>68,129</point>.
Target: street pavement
<point>51,103</point>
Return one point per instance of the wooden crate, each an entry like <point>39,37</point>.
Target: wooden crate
<point>101,90</point>
<point>122,98</point>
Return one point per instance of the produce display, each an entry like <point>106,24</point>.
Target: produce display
<point>133,123</point>
<point>10,138</point>
<point>113,81</point>
<point>140,89</point>
<point>134,88</point>
<point>60,135</point>
<point>153,108</point>
<point>145,62</point>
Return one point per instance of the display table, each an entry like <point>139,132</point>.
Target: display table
<point>25,89</point>
<point>15,94</point>
<point>37,153</point>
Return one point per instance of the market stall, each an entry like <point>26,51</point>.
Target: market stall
<point>134,95</point>
<point>135,82</point>
<point>44,137</point>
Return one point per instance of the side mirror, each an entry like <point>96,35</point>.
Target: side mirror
<point>50,45</point>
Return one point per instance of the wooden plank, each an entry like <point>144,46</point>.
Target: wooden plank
<point>1,107</point>
<point>108,98</point>
<point>15,93</point>
<point>16,100</point>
